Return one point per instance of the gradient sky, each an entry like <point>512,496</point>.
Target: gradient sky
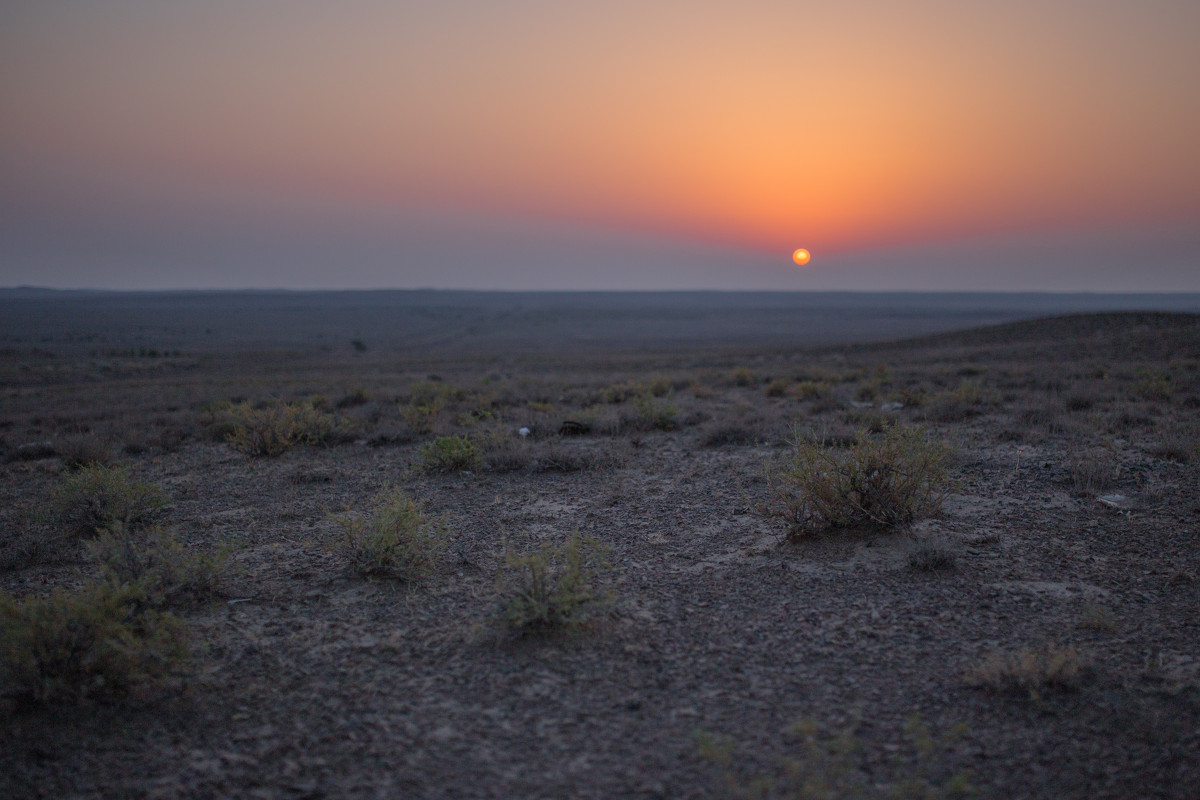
<point>621,145</point>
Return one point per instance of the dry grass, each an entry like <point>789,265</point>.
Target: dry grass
<point>1032,673</point>
<point>878,482</point>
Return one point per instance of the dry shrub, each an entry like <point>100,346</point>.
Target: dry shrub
<point>394,539</point>
<point>84,450</point>
<point>1093,470</point>
<point>98,643</point>
<point>95,499</point>
<point>1030,672</point>
<point>278,428</point>
<point>877,482</point>
<point>553,589</point>
<point>166,572</point>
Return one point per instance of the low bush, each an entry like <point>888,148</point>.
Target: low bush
<point>449,454</point>
<point>275,429</point>
<point>394,539</point>
<point>95,499</point>
<point>650,414</point>
<point>1030,672</point>
<point>84,450</point>
<point>877,482</point>
<point>1093,470</point>
<point>166,572</point>
<point>94,644</point>
<point>553,589</point>
<point>931,557</point>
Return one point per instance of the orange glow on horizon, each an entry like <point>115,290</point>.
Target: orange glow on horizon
<point>886,126</point>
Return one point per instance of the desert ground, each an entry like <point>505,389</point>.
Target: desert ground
<point>1029,629</point>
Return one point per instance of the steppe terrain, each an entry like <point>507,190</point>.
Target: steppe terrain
<point>1036,636</point>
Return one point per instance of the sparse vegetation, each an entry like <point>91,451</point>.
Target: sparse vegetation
<point>932,557</point>
<point>72,647</point>
<point>878,482</point>
<point>393,539</point>
<point>449,454</point>
<point>165,573</point>
<point>553,589</point>
<point>278,427</point>
<point>95,499</point>
<point>1030,672</point>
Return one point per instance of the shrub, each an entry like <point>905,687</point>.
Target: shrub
<point>167,573</point>
<point>553,589</point>
<point>1093,470</point>
<point>449,454</point>
<point>877,482</point>
<point>1031,672</point>
<point>777,387</point>
<point>84,450</point>
<point>74,647</point>
<point>393,540</point>
<point>97,498</point>
<point>276,429</point>
<point>810,390</point>
<point>652,415</point>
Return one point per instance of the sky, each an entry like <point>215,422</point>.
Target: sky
<point>631,144</point>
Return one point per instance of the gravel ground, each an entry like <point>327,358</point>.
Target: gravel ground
<point>735,656</point>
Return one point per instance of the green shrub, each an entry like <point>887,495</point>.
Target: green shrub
<point>553,589</point>
<point>278,428</point>
<point>168,574</point>
<point>74,647</point>
<point>97,498</point>
<point>449,454</point>
<point>394,539</point>
<point>876,482</point>
<point>652,415</point>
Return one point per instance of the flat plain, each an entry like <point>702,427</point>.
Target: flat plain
<point>1034,633</point>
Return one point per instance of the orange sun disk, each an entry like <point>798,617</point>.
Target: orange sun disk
<point>801,256</point>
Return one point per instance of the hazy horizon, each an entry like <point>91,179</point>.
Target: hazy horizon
<point>1029,146</point>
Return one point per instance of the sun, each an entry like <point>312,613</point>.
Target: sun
<point>801,256</point>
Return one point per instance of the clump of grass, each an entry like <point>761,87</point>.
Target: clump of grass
<point>932,557</point>
<point>553,589</point>
<point>741,377</point>
<point>1093,470</point>
<point>810,389</point>
<point>354,397</point>
<point>449,454</point>
<point>84,450</point>
<point>394,539</point>
<point>168,574</point>
<point>275,429</point>
<point>651,414</point>
<point>777,387</point>
<point>1030,672</point>
<point>877,482</point>
<point>95,499</point>
<point>98,643</point>
<point>507,454</point>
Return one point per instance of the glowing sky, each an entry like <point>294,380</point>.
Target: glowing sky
<point>617,145</point>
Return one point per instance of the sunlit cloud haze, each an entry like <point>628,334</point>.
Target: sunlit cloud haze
<point>619,145</point>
